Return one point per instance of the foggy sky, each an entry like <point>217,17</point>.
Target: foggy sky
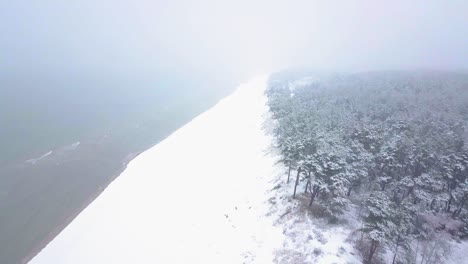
<point>133,39</point>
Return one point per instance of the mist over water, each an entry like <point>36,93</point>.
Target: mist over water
<point>38,112</point>
<point>82,64</point>
<point>90,65</point>
<point>220,39</point>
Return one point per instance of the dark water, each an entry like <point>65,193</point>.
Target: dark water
<point>39,111</point>
<point>113,121</point>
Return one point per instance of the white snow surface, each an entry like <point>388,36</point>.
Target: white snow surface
<point>197,197</point>
<point>212,192</point>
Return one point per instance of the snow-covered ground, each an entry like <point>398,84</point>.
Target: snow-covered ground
<point>210,193</point>
<point>197,197</point>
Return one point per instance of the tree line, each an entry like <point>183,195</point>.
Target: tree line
<point>391,143</point>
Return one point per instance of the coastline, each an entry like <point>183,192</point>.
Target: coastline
<point>40,199</point>
<point>72,215</point>
<point>137,219</point>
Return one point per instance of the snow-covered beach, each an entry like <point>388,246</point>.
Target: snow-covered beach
<point>212,192</point>
<point>198,196</point>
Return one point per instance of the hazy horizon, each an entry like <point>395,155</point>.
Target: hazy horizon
<point>118,55</point>
<point>229,39</point>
